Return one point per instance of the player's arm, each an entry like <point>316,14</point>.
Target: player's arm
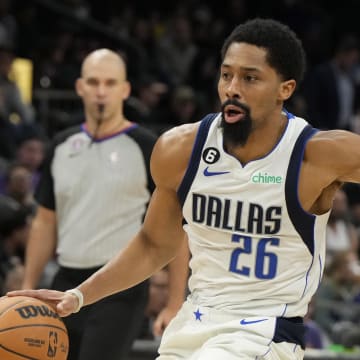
<point>336,154</point>
<point>40,247</point>
<point>155,245</point>
<point>345,153</point>
<point>178,277</point>
<point>347,146</point>
<point>152,248</point>
<point>162,234</point>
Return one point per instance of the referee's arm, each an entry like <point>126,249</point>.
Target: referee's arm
<point>40,247</point>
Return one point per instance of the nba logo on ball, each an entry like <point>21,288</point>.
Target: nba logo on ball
<point>31,329</point>
<point>53,339</point>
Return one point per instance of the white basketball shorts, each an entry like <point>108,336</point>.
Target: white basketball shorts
<point>202,333</point>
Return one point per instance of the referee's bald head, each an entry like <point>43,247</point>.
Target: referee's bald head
<point>103,55</point>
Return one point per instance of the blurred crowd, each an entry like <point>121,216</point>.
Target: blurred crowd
<point>173,52</point>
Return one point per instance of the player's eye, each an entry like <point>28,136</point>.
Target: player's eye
<point>250,78</point>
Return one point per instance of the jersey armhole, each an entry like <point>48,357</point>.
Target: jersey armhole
<point>195,157</point>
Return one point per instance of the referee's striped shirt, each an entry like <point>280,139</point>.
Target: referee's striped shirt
<point>99,192</point>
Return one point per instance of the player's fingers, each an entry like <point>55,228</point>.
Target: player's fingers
<point>42,294</point>
<point>63,309</point>
<point>67,305</point>
<point>158,326</point>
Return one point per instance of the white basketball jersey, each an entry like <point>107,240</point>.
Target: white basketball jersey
<point>254,249</point>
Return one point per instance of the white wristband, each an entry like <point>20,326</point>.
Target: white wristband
<point>80,297</point>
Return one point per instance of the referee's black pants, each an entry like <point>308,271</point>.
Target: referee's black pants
<point>106,329</point>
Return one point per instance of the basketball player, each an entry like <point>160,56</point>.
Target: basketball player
<point>92,199</point>
<point>252,187</point>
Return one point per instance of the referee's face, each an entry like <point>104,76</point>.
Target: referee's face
<point>103,81</point>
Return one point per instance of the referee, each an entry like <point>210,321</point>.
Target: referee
<point>92,197</point>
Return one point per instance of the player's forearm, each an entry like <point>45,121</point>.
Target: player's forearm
<point>128,268</point>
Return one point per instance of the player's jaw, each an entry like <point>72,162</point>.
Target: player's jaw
<point>236,122</point>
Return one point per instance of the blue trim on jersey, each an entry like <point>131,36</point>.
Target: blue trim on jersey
<point>123,131</point>
<point>321,269</point>
<point>307,276</point>
<point>289,115</point>
<point>195,157</point>
<point>303,221</point>
<point>285,309</point>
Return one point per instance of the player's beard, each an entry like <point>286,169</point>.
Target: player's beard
<point>236,133</point>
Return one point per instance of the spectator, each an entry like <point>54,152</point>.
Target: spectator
<point>30,152</point>
<point>336,309</point>
<point>10,98</point>
<point>20,177</point>
<point>158,298</point>
<point>184,107</point>
<point>315,336</point>
<point>147,102</point>
<point>329,89</point>
<point>13,111</point>
<point>8,23</point>
<point>177,50</point>
<point>14,231</point>
<point>341,234</point>
<point>18,186</point>
<point>353,194</point>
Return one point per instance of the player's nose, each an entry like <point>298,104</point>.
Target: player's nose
<point>233,89</point>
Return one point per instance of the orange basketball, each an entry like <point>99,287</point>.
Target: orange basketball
<point>31,329</point>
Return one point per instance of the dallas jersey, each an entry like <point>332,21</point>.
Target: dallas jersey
<point>254,249</point>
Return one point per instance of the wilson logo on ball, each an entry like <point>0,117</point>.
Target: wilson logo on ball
<point>31,311</point>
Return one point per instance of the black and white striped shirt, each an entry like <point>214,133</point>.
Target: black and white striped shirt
<point>99,192</point>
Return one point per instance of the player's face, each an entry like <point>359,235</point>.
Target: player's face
<point>249,90</point>
<point>103,82</point>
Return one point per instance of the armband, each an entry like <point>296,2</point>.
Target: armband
<point>80,297</point>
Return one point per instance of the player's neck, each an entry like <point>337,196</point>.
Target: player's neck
<point>261,141</point>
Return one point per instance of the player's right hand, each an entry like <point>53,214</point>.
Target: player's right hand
<point>64,303</point>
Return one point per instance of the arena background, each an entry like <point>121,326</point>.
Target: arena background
<point>49,38</point>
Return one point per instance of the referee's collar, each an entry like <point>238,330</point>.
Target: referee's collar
<point>125,130</point>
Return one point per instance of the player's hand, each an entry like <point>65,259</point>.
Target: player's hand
<point>64,303</point>
<point>162,320</point>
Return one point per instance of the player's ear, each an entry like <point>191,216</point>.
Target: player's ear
<point>78,86</point>
<point>286,89</point>
<point>126,89</point>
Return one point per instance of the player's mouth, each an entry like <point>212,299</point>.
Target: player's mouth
<point>233,114</point>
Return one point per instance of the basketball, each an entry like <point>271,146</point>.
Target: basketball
<point>31,329</point>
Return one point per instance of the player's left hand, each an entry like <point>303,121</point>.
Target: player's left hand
<point>162,320</point>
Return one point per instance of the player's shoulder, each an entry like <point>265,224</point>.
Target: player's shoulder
<point>172,153</point>
<point>332,138</point>
<point>180,140</point>
<point>178,136</point>
<point>329,144</point>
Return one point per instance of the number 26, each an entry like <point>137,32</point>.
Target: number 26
<point>265,263</point>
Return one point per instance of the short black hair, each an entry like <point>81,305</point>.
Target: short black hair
<point>285,52</point>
